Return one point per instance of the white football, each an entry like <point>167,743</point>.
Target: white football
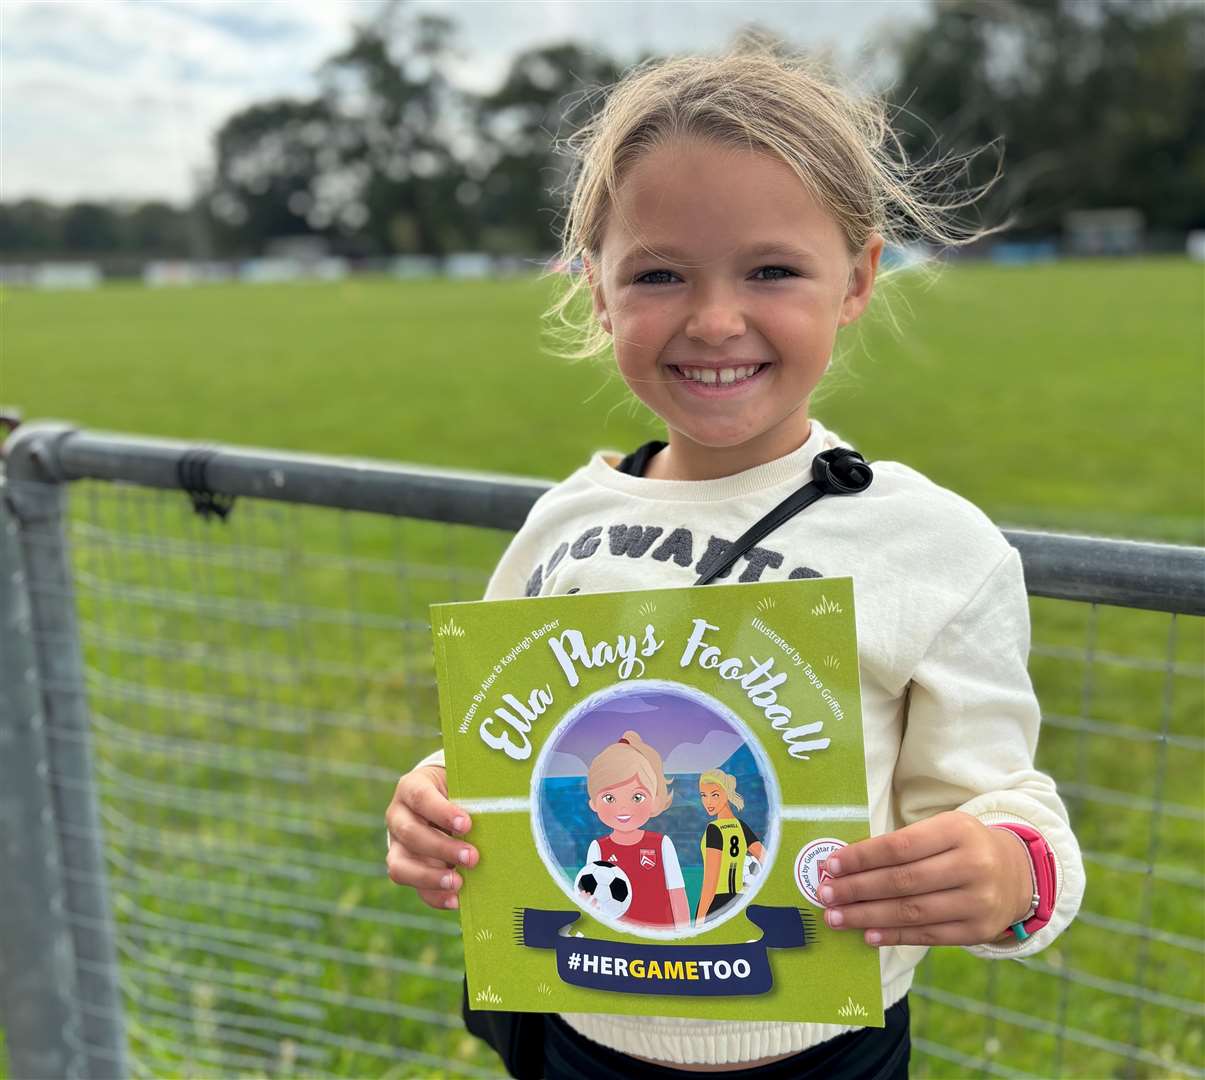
<point>752,872</point>
<point>604,888</point>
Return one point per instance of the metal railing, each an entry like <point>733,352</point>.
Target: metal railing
<point>202,718</point>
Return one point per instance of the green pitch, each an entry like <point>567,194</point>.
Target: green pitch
<point>1066,396</point>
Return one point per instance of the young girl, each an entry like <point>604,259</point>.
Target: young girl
<point>725,843</point>
<point>627,788</point>
<point>728,215</point>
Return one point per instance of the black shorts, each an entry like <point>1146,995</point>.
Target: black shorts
<point>720,901</point>
<point>865,1054</point>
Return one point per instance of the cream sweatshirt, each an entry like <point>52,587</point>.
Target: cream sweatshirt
<point>949,714</point>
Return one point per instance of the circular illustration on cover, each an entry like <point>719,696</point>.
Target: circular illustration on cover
<point>655,809</point>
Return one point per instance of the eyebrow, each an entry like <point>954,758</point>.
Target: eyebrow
<point>652,251</point>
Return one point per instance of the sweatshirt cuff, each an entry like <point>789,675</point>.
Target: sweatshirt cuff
<point>436,758</point>
<point>1013,807</point>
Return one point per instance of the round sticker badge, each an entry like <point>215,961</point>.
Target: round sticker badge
<point>808,875</point>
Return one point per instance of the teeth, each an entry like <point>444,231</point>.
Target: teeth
<point>724,376</point>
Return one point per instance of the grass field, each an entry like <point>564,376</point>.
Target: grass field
<point>1067,396</point>
<point>229,685</point>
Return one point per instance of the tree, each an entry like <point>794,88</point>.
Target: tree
<point>546,95</point>
<point>1101,103</point>
<point>391,156</point>
<point>30,227</point>
<point>367,162</point>
<point>397,111</point>
<point>156,228</point>
<point>269,161</point>
<point>90,228</point>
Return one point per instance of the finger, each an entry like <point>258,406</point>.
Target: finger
<point>950,933</point>
<point>421,875</point>
<point>952,905</point>
<point>909,844</point>
<point>420,793</point>
<point>437,898</point>
<point>933,874</point>
<point>417,838</point>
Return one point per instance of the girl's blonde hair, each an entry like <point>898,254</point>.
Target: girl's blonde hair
<point>755,97</point>
<point>630,756</point>
<point>726,781</point>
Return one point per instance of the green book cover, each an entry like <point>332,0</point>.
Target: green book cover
<point>655,779</point>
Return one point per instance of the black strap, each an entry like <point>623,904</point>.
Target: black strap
<point>637,461</point>
<point>840,471</point>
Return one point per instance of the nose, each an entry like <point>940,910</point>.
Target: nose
<point>715,318</point>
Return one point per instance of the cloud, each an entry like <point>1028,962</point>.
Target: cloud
<point>716,748</point>
<point>628,703</point>
<point>121,99</point>
<point>559,764</point>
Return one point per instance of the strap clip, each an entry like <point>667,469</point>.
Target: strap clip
<point>191,473</point>
<point>841,471</point>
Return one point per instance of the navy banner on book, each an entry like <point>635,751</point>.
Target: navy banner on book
<point>678,969</point>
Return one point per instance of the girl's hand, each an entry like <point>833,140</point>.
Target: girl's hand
<point>422,824</point>
<point>948,880</point>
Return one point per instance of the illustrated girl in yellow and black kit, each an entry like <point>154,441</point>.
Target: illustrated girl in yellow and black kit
<point>725,843</point>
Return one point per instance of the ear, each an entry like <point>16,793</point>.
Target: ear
<point>861,280</point>
<point>592,806</point>
<point>594,274</point>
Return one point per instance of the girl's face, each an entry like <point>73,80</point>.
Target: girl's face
<point>714,799</point>
<point>624,807</point>
<point>726,338</point>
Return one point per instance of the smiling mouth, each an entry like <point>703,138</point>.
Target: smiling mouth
<point>713,378</point>
<point>623,819</point>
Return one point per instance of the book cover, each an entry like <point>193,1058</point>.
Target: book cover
<point>656,779</point>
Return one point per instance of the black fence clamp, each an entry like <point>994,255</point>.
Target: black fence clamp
<point>190,470</point>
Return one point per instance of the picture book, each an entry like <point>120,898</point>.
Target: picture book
<point>656,779</point>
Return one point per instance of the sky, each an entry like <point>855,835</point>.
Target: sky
<point>673,723</point>
<point>119,99</point>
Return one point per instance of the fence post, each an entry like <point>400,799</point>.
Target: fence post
<point>38,1003</point>
<point>36,502</point>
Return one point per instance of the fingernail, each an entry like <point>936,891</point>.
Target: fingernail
<point>826,894</point>
<point>451,903</point>
<point>460,824</point>
<point>832,864</point>
<point>464,856</point>
<point>873,937</point>
<point>445,882</point>
<point>834,916</point>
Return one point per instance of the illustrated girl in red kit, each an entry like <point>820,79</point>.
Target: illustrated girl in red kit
<point>627,787</point>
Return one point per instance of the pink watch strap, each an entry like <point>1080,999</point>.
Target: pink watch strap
<point>1041,860</point>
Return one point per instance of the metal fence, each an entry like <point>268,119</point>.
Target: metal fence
<point>204,708</point>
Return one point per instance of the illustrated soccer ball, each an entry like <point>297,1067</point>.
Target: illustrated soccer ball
<point>753,873</point>
<point>606,887</point>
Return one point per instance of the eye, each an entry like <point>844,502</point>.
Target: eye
<point>640,280</point>
<point>780,269</point>
<point>608,798</point>
<point>638,797</point>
